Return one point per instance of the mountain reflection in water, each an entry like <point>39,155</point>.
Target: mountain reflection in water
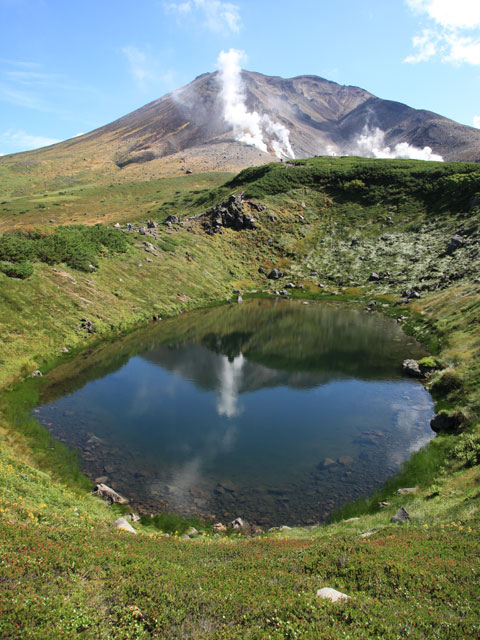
<point>273,410</point>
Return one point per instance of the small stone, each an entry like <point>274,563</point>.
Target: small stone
<point>239,299</point>
<point>367,534</point>
<point>351,520</point>
<point>384,505</point>
<point>37,373</point>
<point>219,527</point>
<point>326,593</point>
<point>407,490</point>
<point>373,277</point>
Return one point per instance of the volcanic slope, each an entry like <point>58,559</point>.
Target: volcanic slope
<point>186,130</point>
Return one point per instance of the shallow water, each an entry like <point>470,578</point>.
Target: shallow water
<point>276,411</point>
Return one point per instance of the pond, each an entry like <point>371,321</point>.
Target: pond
<point>275,411</point>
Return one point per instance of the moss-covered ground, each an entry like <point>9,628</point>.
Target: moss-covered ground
<point>328,224</point>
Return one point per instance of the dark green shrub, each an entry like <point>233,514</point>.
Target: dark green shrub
<point>20,270</point>
<point>468,450</point>
<point>448,382</point>
<point>15,248</point>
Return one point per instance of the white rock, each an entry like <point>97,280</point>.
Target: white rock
<point>122,524</point>
<point>331,594</point>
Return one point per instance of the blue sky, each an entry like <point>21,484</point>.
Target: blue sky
<point>69,67</point>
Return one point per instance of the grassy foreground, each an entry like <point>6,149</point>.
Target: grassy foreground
<point>64,571</point>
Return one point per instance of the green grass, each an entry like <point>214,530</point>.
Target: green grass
<point>66,573</point>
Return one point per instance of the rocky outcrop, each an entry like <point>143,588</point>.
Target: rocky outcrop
<point>230,214</point>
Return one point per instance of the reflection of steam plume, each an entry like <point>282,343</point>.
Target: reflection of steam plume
<point>371,144</point>
<point>230,380</point>
<point>249,127</point>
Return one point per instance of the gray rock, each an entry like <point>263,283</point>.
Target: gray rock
<point>412,368</point>
<point>326,593</point>
<point>37,373</point>
<point>407,490</point>
<point>455,243</point>
<point>275,274</point>
<point>238,523</point>
<point>124,525</point>
<point>401,516</point>
<point>108,494</point>
<point>373,277</point>
<point>239,299</point>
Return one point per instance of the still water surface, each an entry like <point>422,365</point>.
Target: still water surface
<point>279,412</point>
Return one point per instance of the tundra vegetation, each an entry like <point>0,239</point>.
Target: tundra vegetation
<point>403,234</point>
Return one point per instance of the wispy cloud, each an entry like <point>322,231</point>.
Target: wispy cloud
<point>452,34</point>
<point>216,16</point>
<point>24,84</point>
<point>20,140</point>
<point>145,68</point>
<point>476,121</point>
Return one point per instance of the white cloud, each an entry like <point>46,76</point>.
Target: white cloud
<point>476,121</point>
<point>19,140</point>
<point>453,33</point>
<point>217,16</point>
<point>145,68</point>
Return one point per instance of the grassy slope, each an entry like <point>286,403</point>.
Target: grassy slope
<point>63,566</point>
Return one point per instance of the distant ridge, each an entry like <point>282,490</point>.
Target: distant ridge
<point>322,118</point>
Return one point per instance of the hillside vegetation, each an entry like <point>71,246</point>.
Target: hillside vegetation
<point>401,233</point>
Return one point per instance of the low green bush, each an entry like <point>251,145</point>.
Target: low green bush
<point>78,246</point>
<point>20,270</point>
<point>468,450</point>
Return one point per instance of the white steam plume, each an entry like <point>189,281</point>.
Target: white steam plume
<point>248,126</point>
<point>371,144</point>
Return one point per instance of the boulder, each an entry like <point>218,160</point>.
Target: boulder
<point>373,277</point>
<point>444,422</point>
<point>108,494</point>
<point>238,524</point>
<point>326,593</point>
<point>169,220</point>
<point>275,274</point>
<point>124,525</point>
<point>401,516</point>
<point>412,368</point>
<point>455,243</point>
